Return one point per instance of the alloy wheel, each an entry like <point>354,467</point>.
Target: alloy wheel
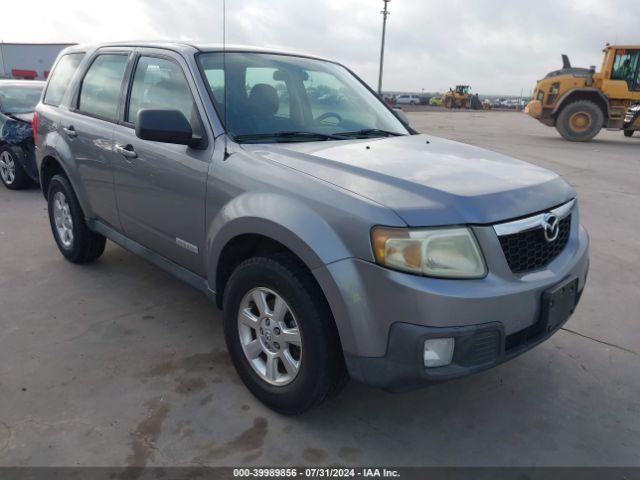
<point>270,336</point>
<point>7,168</point>
<point>63,220</point>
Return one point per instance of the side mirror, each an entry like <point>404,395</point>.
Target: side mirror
<point>401,115</point>
<point>166,126</point>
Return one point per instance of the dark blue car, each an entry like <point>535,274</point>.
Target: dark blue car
<point>18,100</point>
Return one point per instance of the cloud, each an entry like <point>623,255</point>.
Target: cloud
<point>495,46</point>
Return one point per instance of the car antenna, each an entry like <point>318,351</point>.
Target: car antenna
<point>224,76</point>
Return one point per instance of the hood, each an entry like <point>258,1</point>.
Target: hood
<point>426,180</point>
<point>573,71</point>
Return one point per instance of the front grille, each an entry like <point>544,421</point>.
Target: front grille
<point>529,250</point>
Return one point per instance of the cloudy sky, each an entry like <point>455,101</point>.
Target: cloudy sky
<point>497,46</point>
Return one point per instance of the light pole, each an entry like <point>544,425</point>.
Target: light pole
<point>385,14</point>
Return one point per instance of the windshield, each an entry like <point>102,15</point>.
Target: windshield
<point>19,98</point>
<point>286,98</point>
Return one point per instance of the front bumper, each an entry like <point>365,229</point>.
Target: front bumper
<point>384,316</point>
<point>536,110</point>
<point>477,348</point>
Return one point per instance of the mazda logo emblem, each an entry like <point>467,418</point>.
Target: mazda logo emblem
<point>550,227</point>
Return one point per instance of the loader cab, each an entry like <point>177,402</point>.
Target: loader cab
<point>625,68</point>
<point>462,89</point>
<point>621,72</point>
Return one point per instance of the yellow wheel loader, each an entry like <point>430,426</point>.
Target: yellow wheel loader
<point>458,98</point>
<point>579,102</point>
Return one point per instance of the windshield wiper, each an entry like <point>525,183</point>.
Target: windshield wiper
<point>286,136</point>
<point>370,132</point>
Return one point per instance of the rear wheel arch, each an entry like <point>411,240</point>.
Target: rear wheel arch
<point>50,168</point>
<point>76,242</point>
<point>53,163</point>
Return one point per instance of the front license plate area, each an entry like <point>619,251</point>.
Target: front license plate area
<point>558,303</point>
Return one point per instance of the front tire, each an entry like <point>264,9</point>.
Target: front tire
<point>12,174</point>
<point>580,121</point>
<point>75,240</point>
<point>281,335</point>
<point>628,133</point>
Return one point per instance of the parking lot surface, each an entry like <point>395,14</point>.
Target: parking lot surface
<point>118,363</point>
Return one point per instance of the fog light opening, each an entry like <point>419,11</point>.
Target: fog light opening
<point>438,352</point>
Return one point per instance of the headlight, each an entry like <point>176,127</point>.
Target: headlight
<point>435,252</point>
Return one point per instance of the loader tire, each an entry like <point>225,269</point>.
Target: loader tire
<point>580,121</point>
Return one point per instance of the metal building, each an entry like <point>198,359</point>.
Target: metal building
<point>28,60</point>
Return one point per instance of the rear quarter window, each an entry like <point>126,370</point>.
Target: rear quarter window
<point>61,77</point>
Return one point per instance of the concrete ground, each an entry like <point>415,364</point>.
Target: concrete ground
<point>118,363</point>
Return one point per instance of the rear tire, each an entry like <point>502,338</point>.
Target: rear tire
<point>580,121</point>
<point>320,370</point>
<point>75,240</point>
<point>628,133</point>
<point>12,174</point>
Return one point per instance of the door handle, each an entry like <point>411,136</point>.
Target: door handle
<point>126,151</point>
<point>70,131</point>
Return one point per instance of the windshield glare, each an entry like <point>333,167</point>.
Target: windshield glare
<point>19,98</point>
<point>271,94</point>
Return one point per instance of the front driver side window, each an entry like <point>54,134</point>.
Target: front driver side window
<point>160,84</point>
<point>100,91</point>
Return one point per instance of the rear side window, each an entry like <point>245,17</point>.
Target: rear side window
<point>101,86</point>
<point>60,78</point>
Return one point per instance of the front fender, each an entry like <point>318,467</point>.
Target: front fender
<point>293,224</point>
<point>581,90</point>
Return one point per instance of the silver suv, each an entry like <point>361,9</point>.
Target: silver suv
<point>337,240</point>
<point>407,100</point>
